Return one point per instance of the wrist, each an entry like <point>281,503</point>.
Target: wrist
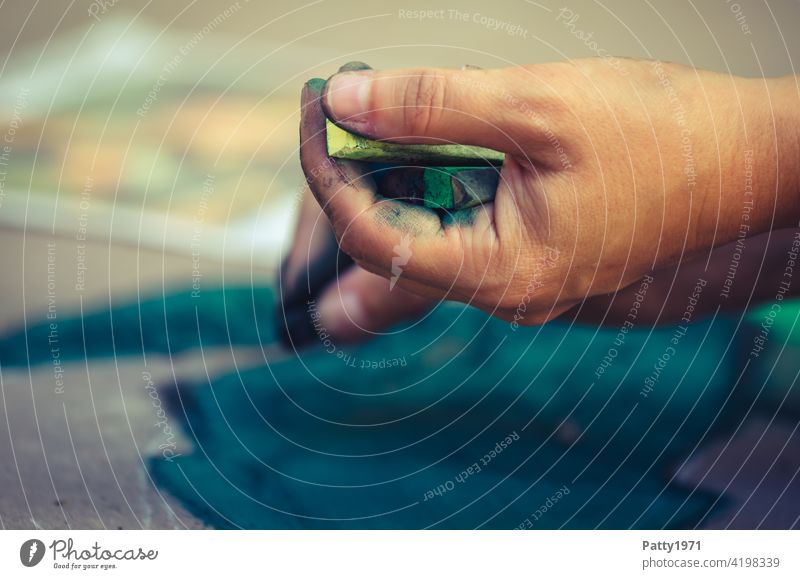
<point>787,100</point>
<point>776,149</point>
<point>759,169</point>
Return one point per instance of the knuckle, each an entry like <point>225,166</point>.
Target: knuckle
<point>348,244</point>
<point>354,240</point>
<point>424,99</point>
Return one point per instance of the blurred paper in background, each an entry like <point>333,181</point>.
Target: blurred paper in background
<point>132,133</point>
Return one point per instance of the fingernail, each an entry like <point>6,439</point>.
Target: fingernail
<point>315,85</point>
<point>342,314</point>
<point>354,65</point>
<point>347,94</point>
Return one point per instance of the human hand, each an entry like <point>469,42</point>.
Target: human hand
<point>608,176</point>
<point>316,277</point>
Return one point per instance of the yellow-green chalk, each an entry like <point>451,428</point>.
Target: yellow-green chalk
<point>345,145</point>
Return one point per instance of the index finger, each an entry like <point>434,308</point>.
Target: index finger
<point>367,226</point>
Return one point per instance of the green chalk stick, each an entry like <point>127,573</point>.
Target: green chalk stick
<point>443,177</point>
<point>345,145</point>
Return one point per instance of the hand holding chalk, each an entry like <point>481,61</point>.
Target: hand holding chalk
<point>609,174</point>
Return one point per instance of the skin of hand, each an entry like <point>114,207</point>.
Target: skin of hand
<point>756,269</point>
<point>609,174</point>
<point>356,304</point>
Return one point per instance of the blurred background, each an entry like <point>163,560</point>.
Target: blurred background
<point>153,145</point>
<point>127,108</point>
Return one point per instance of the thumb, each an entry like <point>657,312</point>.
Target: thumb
<point>469,107</point>
<point>362,304</point>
